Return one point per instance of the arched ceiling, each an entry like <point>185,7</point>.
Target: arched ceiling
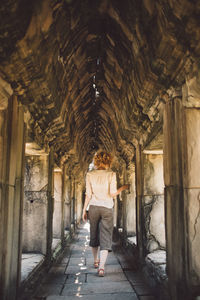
<point>93,73</point>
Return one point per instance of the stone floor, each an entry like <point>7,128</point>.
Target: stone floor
<point>74,276</point>
<point>29,262</point>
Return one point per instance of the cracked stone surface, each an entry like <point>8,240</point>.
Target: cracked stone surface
<point>29,262</point>
<point>156,265</point>
<point>74,277</point>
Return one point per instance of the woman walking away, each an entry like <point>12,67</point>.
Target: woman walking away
<point>101,187</point>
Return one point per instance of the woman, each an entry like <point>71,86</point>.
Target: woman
<point>101,187</point>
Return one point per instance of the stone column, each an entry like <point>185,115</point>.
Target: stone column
<point>182,181</point>
<point>58,206</point>
<point>123,201</point>
<point>115,211</point>
<point>73,202</point>
<point>153,201</point>
<point>181,154</point>
<point>139,194</point>
<point>120,201</point>
<point>12,136</point>
<point>67,200</point>
<point>191,183</point>
<point>130,209</point>
<point>38,206</point>
<point>50,201</point>
<point>79,201</point>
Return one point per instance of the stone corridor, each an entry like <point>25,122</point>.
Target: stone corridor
<point>76,77</point>
<point>74,277</point>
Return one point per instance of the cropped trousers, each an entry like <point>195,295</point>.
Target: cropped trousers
<point>101,227</point>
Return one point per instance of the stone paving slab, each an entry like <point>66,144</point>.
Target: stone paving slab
<point>72,278</point>
<point>109,277</point>
<point>49,289</point>
<point>118,296</point>
<point>83,239</point>
<point>77,262</point>
<point>91,269</point>
<point>79,269</point>
<point>55,278</point>
<point>81,253</point>
<point>80,247</point>
<point>97,288</point>
<point>111,260</point>
<point>58,269</point>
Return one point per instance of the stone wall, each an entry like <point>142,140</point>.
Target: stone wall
<point>58,205</point>
<point>35,204</point>
<point>192,192</point>
<point>153,202</point>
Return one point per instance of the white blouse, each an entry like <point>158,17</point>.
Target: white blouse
<point>99,185</point>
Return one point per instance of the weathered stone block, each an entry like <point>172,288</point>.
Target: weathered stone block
<point>157,221</point>
<point>58,206</point>
<point>153,174</point>
<point>36,204</point>
<point>192,198</point>
<point>192,156</point>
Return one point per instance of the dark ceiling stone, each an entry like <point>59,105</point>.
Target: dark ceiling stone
<point>90,72</point>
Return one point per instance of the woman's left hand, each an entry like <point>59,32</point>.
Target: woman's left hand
<point>84,216</point>
<point>126,186</point>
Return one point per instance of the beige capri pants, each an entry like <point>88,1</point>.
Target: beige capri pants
<point>101,227</point>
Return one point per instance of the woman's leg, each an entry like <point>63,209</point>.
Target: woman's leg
<point>103,258</point>
<point>106,230</point>
<point>94,218</point>
<point>95,253</point>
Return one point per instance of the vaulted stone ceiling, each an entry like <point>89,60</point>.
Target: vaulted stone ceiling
<point>95,73</point>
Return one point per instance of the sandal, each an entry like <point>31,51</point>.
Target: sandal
<point>101,272</point>
<point>96,264</point>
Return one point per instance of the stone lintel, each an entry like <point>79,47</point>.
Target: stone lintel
<point>155,151</point>
<point>33,149</point>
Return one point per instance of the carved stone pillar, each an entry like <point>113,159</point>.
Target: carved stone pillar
<point>67,200</point>
<point>191,183</point>
<point>130,203</point>
<point>12,136</point>
<point>139,195</point>
<point>38,206</point>
<point>58,207</point>
<point>182,190</point>
<point>79,201</point>
<point>174,196</point>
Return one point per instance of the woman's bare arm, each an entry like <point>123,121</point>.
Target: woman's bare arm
<point>122,188</point>
<point>84,215</point>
